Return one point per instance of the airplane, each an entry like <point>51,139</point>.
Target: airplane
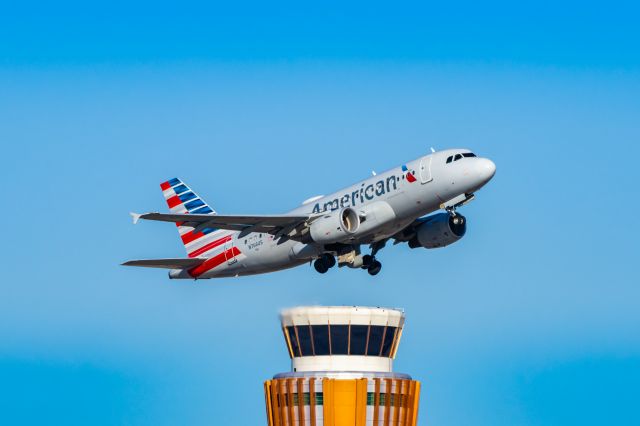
<point>327,230</point>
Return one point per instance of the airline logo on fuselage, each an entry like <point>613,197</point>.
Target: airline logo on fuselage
<point>409,174</point>
<point>361,195</point>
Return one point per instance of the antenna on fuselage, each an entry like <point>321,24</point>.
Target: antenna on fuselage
<point>432,150</point>
<point>373,173</point>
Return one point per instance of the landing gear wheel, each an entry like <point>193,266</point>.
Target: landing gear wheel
<point>328,260</point>
<point>320,266</point>
<point>374,268</point>
<point>367,260</point>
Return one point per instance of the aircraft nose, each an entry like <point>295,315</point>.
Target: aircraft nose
<point>486,169</point>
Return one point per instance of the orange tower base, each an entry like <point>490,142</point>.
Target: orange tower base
<point>341,402</point>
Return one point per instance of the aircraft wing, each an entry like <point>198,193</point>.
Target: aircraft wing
<point>182,263</point>
<point>272,224</point>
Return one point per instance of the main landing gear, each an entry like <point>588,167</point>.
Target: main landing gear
<point>324,263</point>
<point>370,263</point>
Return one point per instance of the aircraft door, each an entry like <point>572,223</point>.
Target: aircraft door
<point>228,252</point>
<point>425,169</point>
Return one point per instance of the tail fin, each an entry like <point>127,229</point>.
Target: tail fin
<point>181,199</point>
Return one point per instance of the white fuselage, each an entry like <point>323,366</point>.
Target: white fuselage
<point>434,183</point>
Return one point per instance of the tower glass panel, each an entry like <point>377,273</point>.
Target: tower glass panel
<point>304,336</point>
<point>295,348</point>
<point>358,339</point>
<point>321,339</point>
<point>388,341</point>
<point>375,340</point>
<point>339,339</point>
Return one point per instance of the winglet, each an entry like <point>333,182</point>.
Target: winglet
<point>135,217</point>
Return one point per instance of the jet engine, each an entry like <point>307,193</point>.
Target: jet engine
<point>334,227</point>
<point>374,217</point>
<point>443,229</point>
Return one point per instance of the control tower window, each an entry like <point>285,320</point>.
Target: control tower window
<point>388,341</point>
<point>342,339</point>
<point>339,339</point>
<point>295,348</point>
<point>304,337</point>
<point>375,340</point>
<point>321,339</point>
<point>358,339</point>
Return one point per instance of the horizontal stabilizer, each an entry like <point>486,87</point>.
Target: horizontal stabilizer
<point>166,263</point>
<point>135,217</point>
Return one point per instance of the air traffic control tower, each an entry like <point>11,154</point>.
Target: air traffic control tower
<point>341,362</point>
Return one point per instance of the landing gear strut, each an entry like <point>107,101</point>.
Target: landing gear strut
<point>324,263</point>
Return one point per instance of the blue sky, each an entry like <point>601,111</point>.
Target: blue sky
<point>532,319</point>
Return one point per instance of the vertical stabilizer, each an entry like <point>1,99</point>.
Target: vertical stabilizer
<point>181,199</point>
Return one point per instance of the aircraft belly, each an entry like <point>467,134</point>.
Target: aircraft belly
<point>261,254</point>
<point>271,268</point>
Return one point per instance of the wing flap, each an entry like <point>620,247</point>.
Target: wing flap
<point>181,263</point>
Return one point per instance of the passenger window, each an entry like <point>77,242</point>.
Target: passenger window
<point>449,159</point>
<point>458,156</point>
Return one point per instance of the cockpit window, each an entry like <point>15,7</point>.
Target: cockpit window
<point>460,156</point>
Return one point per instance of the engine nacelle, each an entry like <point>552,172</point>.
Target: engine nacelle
<point>440,231</point>
<point>335,226</point>
<point>376,216</point>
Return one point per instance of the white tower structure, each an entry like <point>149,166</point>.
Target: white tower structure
<point>342,370</point>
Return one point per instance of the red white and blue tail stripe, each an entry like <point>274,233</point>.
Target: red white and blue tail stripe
<point>181,199</point>
<point>209,242</point>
